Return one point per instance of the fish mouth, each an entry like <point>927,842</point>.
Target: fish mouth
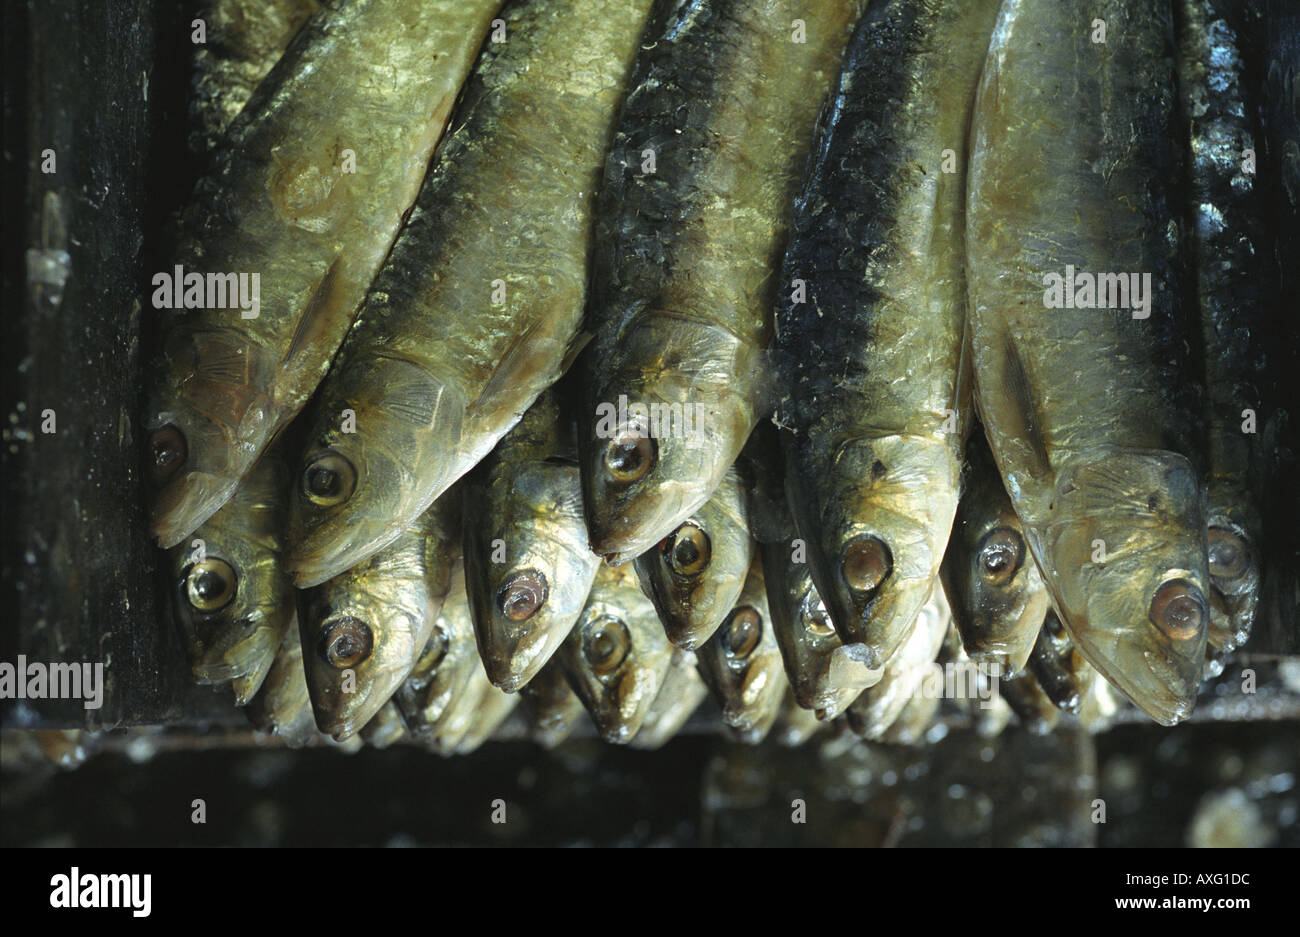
<point>185,503</point>
<point>511,665</point>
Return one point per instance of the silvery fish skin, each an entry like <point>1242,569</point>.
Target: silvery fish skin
<point>438,699</point>
<point>363,631</point>
<point>1093,416</point>
<point>244,39</point>
<point>872,359</point>
<point>1034,708</point>
<point>876,709</point>
<point>910,727</point>
<point>679,696</point>
<point>385,727</point>
<point>527,566</point>
<point>1097,708</point>
<point>825,675</point>
<point>554,710</point>
<point>230,593</point>
<point>1229,250</point>
<point>283,705</point>
<point>695,574</point>
<point>682,284</point>
<point>616,657</point>
<point>1058,666</point>
<point>478,307</point>
<point>998,596</point>
<point>376,78</point>
<point>491,710</point>
<point>741,664</point>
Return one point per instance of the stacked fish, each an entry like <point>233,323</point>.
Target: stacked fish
<point>600,372</point>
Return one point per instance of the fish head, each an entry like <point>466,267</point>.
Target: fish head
<point>1234,580</point>
<point>695,574</point>
<point>374,463</point>
<point>206,425</point>
<point>361,632</point>
<point>616,657</point>
<point>998,596</point>
<point>528,568</point>
<point>231,596</point>
<point>875,544</point>
<point>879,706</point>
<point>742,666</point>
<point>825,674</point>
<point>1122,547</point>
<point>662,435</point>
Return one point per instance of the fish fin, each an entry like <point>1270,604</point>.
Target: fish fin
<point>1023,406</point>
<point>221,362</point>
<point>409,393</point>
<point>518,368</point>
<point>321,314</point>
<point>576,344</point>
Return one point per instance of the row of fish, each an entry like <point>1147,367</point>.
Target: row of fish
<point>543,303</point>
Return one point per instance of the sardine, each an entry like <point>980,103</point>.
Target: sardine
<point>527,566</point>
<point>490,712</point>
<point>1034,708</point>
<point>998,597</point>
<point>616,657</point>
<point>876,709</point>
<point>1093,412</point>
<point>910,727</point>
<point>478,308</point>
<point>679,696</point>
<point>244,39</point>
<point>871,358</point>
<point>306,195</point>
<point>246,687</point>
<point>1058,666</point>
<point>230,593</point>
<point>695,574</point>
<point>554,710</point>
<point>1234,305</point>
<point>282,705</point>
<point>825,675</point>
<point>364,631</point>
<point>692,216</point>
<point>438,699</point>
<point>385,727</point>
<point>741,664</point>
<point>795,724</point>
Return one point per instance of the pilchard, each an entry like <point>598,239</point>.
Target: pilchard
<point>998,597</point>
<point>306,195</point>
<point>910,727</point>
<point>871,358</point>
<point>1229,252</point>
<point>554,710</point>
<point>478,307</point>
<point>616,657</point>
<point>1034,708</point>
<point>231,595</point>
<point>385,727</point>
<point>795,724</point>
<point>692,216</point>
<point>1058,666</point>
<point>283,705</point>
<point>490,711</point>
<point>363,631</point>
<point>679,696</point>
<point>825,675</point>
<point>244,39</point>
<point>876,709</point>
<point>695,574</point>
<point>527,566</point>
<point>741,664</point>
<point>1093,410</point>
<point>438,699</point>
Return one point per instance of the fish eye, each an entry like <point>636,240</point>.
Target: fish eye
<point>1178,609</point>
<point>522,594</point>
<point>168,452</point>
<point>687,550</point>
<point>1229,554</point>
<point>346,643</point>
<point>867,563</point>
<point>814,616</point>
<point>742,632</point>
<point>436,648</point>
<point>605,643</point>
<point>630,455</point>
<point>210,585</point>
<point>330,479</point>
<point>1000,554</point>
